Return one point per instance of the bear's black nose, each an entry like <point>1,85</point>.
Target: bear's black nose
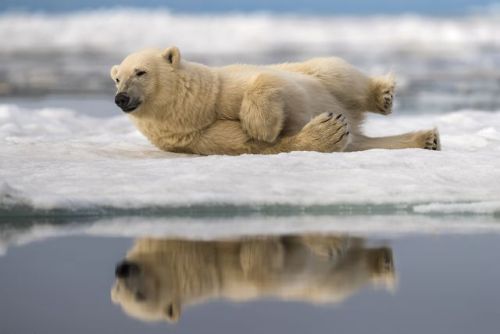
<point>126,269</point>
<point>122,100</point>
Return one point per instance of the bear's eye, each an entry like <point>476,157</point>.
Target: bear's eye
<point>117,80</point>
<point>140,73</point>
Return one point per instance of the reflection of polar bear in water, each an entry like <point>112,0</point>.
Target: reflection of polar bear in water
<point>159,276</point>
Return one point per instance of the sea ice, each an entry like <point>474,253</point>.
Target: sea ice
<point>57,159</point>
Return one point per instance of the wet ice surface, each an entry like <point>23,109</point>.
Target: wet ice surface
<point>392,284</point>
<point>56,160</point>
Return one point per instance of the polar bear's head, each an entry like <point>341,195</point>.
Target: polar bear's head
<point>142,75</point>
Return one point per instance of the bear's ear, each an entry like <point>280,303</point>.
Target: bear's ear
<point>113,71</point>
<point>172,312</point>
<point>172,55</point>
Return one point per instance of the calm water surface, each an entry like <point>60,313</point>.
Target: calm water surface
<point>319,283</point>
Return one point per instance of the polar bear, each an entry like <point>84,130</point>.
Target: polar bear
<point>316,105</point>
<point>160,276</point>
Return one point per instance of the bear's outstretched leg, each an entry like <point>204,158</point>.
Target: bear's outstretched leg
<point>381,96</point>
<point>426,139</point>
<point>262,109</point>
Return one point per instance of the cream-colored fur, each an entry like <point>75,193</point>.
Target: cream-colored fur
<point>310,268</point>
<point>316,105</point>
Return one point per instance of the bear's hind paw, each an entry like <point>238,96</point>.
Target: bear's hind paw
<point>325,133</point>
<point>432,141</point>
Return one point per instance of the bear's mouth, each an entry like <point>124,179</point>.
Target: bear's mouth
<point>131,106</point>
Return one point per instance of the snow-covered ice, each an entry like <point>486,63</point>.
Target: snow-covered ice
<point>55,161</point>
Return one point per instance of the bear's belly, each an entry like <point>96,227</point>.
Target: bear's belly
<point>305,99</point>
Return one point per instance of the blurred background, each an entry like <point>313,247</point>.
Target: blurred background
<point>445,54</point>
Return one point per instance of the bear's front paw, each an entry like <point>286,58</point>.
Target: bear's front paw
<point>385,102</point>
<point>325,133</point>
<point>384,95</point>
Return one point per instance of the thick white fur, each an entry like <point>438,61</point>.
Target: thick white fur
<point>192,108</point>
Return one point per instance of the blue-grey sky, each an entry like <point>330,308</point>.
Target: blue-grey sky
<point>437,7</point>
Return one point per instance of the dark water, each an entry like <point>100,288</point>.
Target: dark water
<point>408,284</point>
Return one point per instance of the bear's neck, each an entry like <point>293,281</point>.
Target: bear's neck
<point>175,123</point>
